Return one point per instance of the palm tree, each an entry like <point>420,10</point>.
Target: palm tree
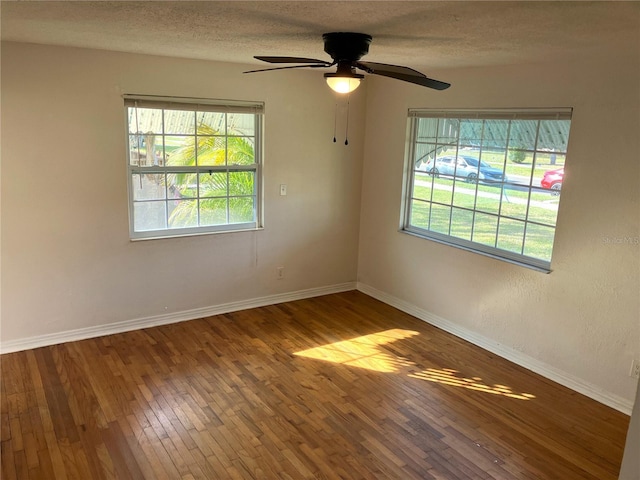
<point>211,149</point>
<point>225,196</point>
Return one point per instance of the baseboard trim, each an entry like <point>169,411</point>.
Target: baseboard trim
<point>164,319</point>
<point>614,401</point>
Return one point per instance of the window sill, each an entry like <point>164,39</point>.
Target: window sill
<point>193,234</point>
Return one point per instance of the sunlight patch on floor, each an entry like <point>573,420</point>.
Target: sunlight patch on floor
<point>365,352</point>
<point>448,376</point>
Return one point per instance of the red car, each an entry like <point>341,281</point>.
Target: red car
<point>552,179</point>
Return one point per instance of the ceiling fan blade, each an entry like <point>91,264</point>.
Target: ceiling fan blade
<point>289,67</point>
<point>405,74</point>
<point>371,67</point>
<point>290,60</point>
<point>424,81</point>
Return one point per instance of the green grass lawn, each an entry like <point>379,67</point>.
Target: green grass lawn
<point>513,234</point>
<point>542,163</point>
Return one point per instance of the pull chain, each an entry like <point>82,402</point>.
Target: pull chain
<point>335,122</point>
<point>346,132</point>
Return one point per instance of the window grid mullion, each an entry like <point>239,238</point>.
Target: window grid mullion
<point>454,182</point>
<point>506,159</point>
<point>475,198</point>
<point>433,175</point>
<point>502,194</point>
<point>196,153</point>
<point>408,211</point>
<point>533,167</point>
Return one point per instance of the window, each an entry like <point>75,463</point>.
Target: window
<point>194,166</point>
<point>487,181</point>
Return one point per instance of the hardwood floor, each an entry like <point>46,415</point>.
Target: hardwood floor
<point>334,387</point>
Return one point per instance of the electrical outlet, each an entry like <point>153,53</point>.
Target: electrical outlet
<point>635,369</point>
<point>279,273</point>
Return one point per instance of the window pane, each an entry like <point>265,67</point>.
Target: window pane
<point>240,151</point>
<point>241,183</point>
<point>440,217</point>
<point>241,210</point>
<point>554,135</point>
<point>461,222</point>
<point>158,157</point>
<point>543,208</point>
<point>213,184</point>
<point>211,151</point>
<point>514,202</point>
<point>148,187</point>
<point>145,120</point>
<point>422,186</point>
<point>182,185</point>
<point>427,130</point>
<point>154,150</point>
<point>146,150</point>
<point>241,124</point>
<point>180,151</point>
<point>420,212</point>
<point>519,167</point>
<point>423,156</point>
<point>496,133</point>
<point>485,229</point>
<point>179,121</point>
<point>443,189</point>
<point>464,194</point>
<point>183,213</point>
<point>136,149</point>
<point>213,211</point>
<point>539,241</point>
<point>149,216</point>
<point>511,235</point>
<point>489,200</point>
<point>471,133</point>
<point>448,129</point>
<point>211,123</point>
<point>523,134</point>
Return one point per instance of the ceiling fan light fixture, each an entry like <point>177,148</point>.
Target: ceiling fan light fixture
<point>341,84</point>
<point>345,80</point>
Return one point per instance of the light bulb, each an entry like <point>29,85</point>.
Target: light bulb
<point>343,84</point>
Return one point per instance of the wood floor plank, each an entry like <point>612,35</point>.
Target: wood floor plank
<point>340,387</point>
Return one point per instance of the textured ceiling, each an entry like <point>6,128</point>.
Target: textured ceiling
<point>421,34</point>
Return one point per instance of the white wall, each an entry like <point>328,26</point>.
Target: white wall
<point>67,259</point>
<point>582,320</point>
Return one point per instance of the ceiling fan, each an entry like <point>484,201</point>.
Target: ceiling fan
<point>346,49</point>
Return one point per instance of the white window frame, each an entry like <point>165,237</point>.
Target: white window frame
<point>410,177</point>
<point>196,105</point>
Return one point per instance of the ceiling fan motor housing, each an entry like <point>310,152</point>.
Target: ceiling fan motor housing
<point>346,45</point>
